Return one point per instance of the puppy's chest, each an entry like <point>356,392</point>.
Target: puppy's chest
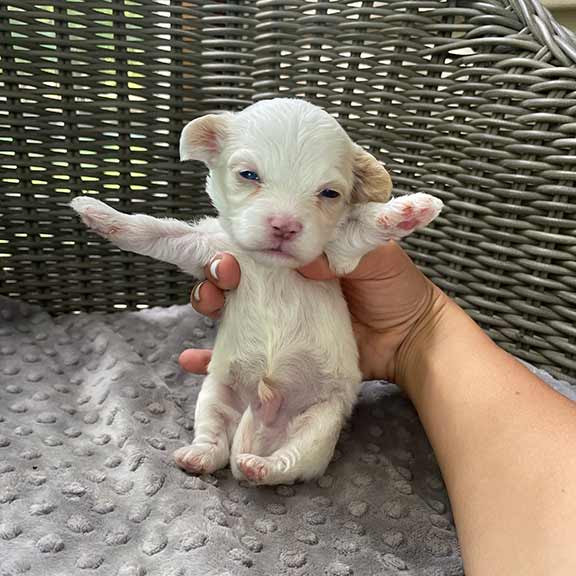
<point>279,308</point>
<point>281,325</point>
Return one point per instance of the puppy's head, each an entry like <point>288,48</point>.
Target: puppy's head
<point>283,174</point>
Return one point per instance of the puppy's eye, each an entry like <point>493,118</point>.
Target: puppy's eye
<point>250,175</point>
<point>329,193</point>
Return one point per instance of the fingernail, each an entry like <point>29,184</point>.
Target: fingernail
<point>196,292</point>
<point>214,268</point>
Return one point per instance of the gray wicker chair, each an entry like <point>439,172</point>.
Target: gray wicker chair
<point>471,101</point>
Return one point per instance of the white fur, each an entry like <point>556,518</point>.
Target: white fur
<point>284,373</point>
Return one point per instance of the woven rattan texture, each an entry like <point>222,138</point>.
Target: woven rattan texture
<point>472,101</point>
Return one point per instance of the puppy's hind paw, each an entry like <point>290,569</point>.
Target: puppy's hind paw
<point>98,216</point>
<point>262,470</point>
<point>254,468</point>
<point>201,458</point>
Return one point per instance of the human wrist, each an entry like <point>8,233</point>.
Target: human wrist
<point>444,347</point>
<point>427,333</point>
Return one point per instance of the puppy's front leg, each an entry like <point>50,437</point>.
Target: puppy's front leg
<point>372,224</point>
<point>164,239</point>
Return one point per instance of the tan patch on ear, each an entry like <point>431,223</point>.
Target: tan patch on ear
<point>202,138</point>
<point>372,183</point>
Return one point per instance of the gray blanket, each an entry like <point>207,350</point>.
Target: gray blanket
<point>91,408</point>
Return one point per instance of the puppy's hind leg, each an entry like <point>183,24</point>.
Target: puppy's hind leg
<point>216,418</point>
<point>261,429</point>
<point>311,439</point>
<point>244,441</point>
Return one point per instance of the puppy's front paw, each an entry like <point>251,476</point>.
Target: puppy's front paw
<point>98,216</point>
<point>201,458</point>
<point>401,216</point>
<point>374,223</point>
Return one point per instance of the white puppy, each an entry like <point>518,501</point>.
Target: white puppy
<point>288,184</point>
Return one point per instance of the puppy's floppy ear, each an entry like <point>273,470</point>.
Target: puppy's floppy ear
<point>372,183</point>
<point>202,139</point>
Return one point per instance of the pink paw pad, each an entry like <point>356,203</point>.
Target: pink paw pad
<point>421,218</point>
<point>99,223</point>
<point>198,460</point>
<point>254,468</point>
<point>408,224</point>
<point>418,216</point>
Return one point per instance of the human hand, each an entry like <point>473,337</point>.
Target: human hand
<point>388,298</point>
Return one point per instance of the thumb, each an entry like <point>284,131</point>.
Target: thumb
<point>195,361</point>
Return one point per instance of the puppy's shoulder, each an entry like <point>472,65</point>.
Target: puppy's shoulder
<point>212,228</point>
<point>208,225</point>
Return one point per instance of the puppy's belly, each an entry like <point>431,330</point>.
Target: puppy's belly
<point>293,332</point>
<point>289,384</point>
<point>299,358</point>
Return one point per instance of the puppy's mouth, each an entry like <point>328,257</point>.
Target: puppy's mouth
<point>278,252</point>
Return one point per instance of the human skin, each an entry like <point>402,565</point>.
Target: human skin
<point>505,441</point>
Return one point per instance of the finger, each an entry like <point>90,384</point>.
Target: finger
<point>223,271</point>
<point>207,299</point>
<point>318,269</point>
<point>195,361</point>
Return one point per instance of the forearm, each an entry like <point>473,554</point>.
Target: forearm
<point>506,444</point>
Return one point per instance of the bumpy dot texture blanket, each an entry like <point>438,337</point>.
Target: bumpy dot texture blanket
<point>91,408</point>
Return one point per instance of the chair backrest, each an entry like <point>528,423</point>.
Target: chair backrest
<point>471,101</point>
